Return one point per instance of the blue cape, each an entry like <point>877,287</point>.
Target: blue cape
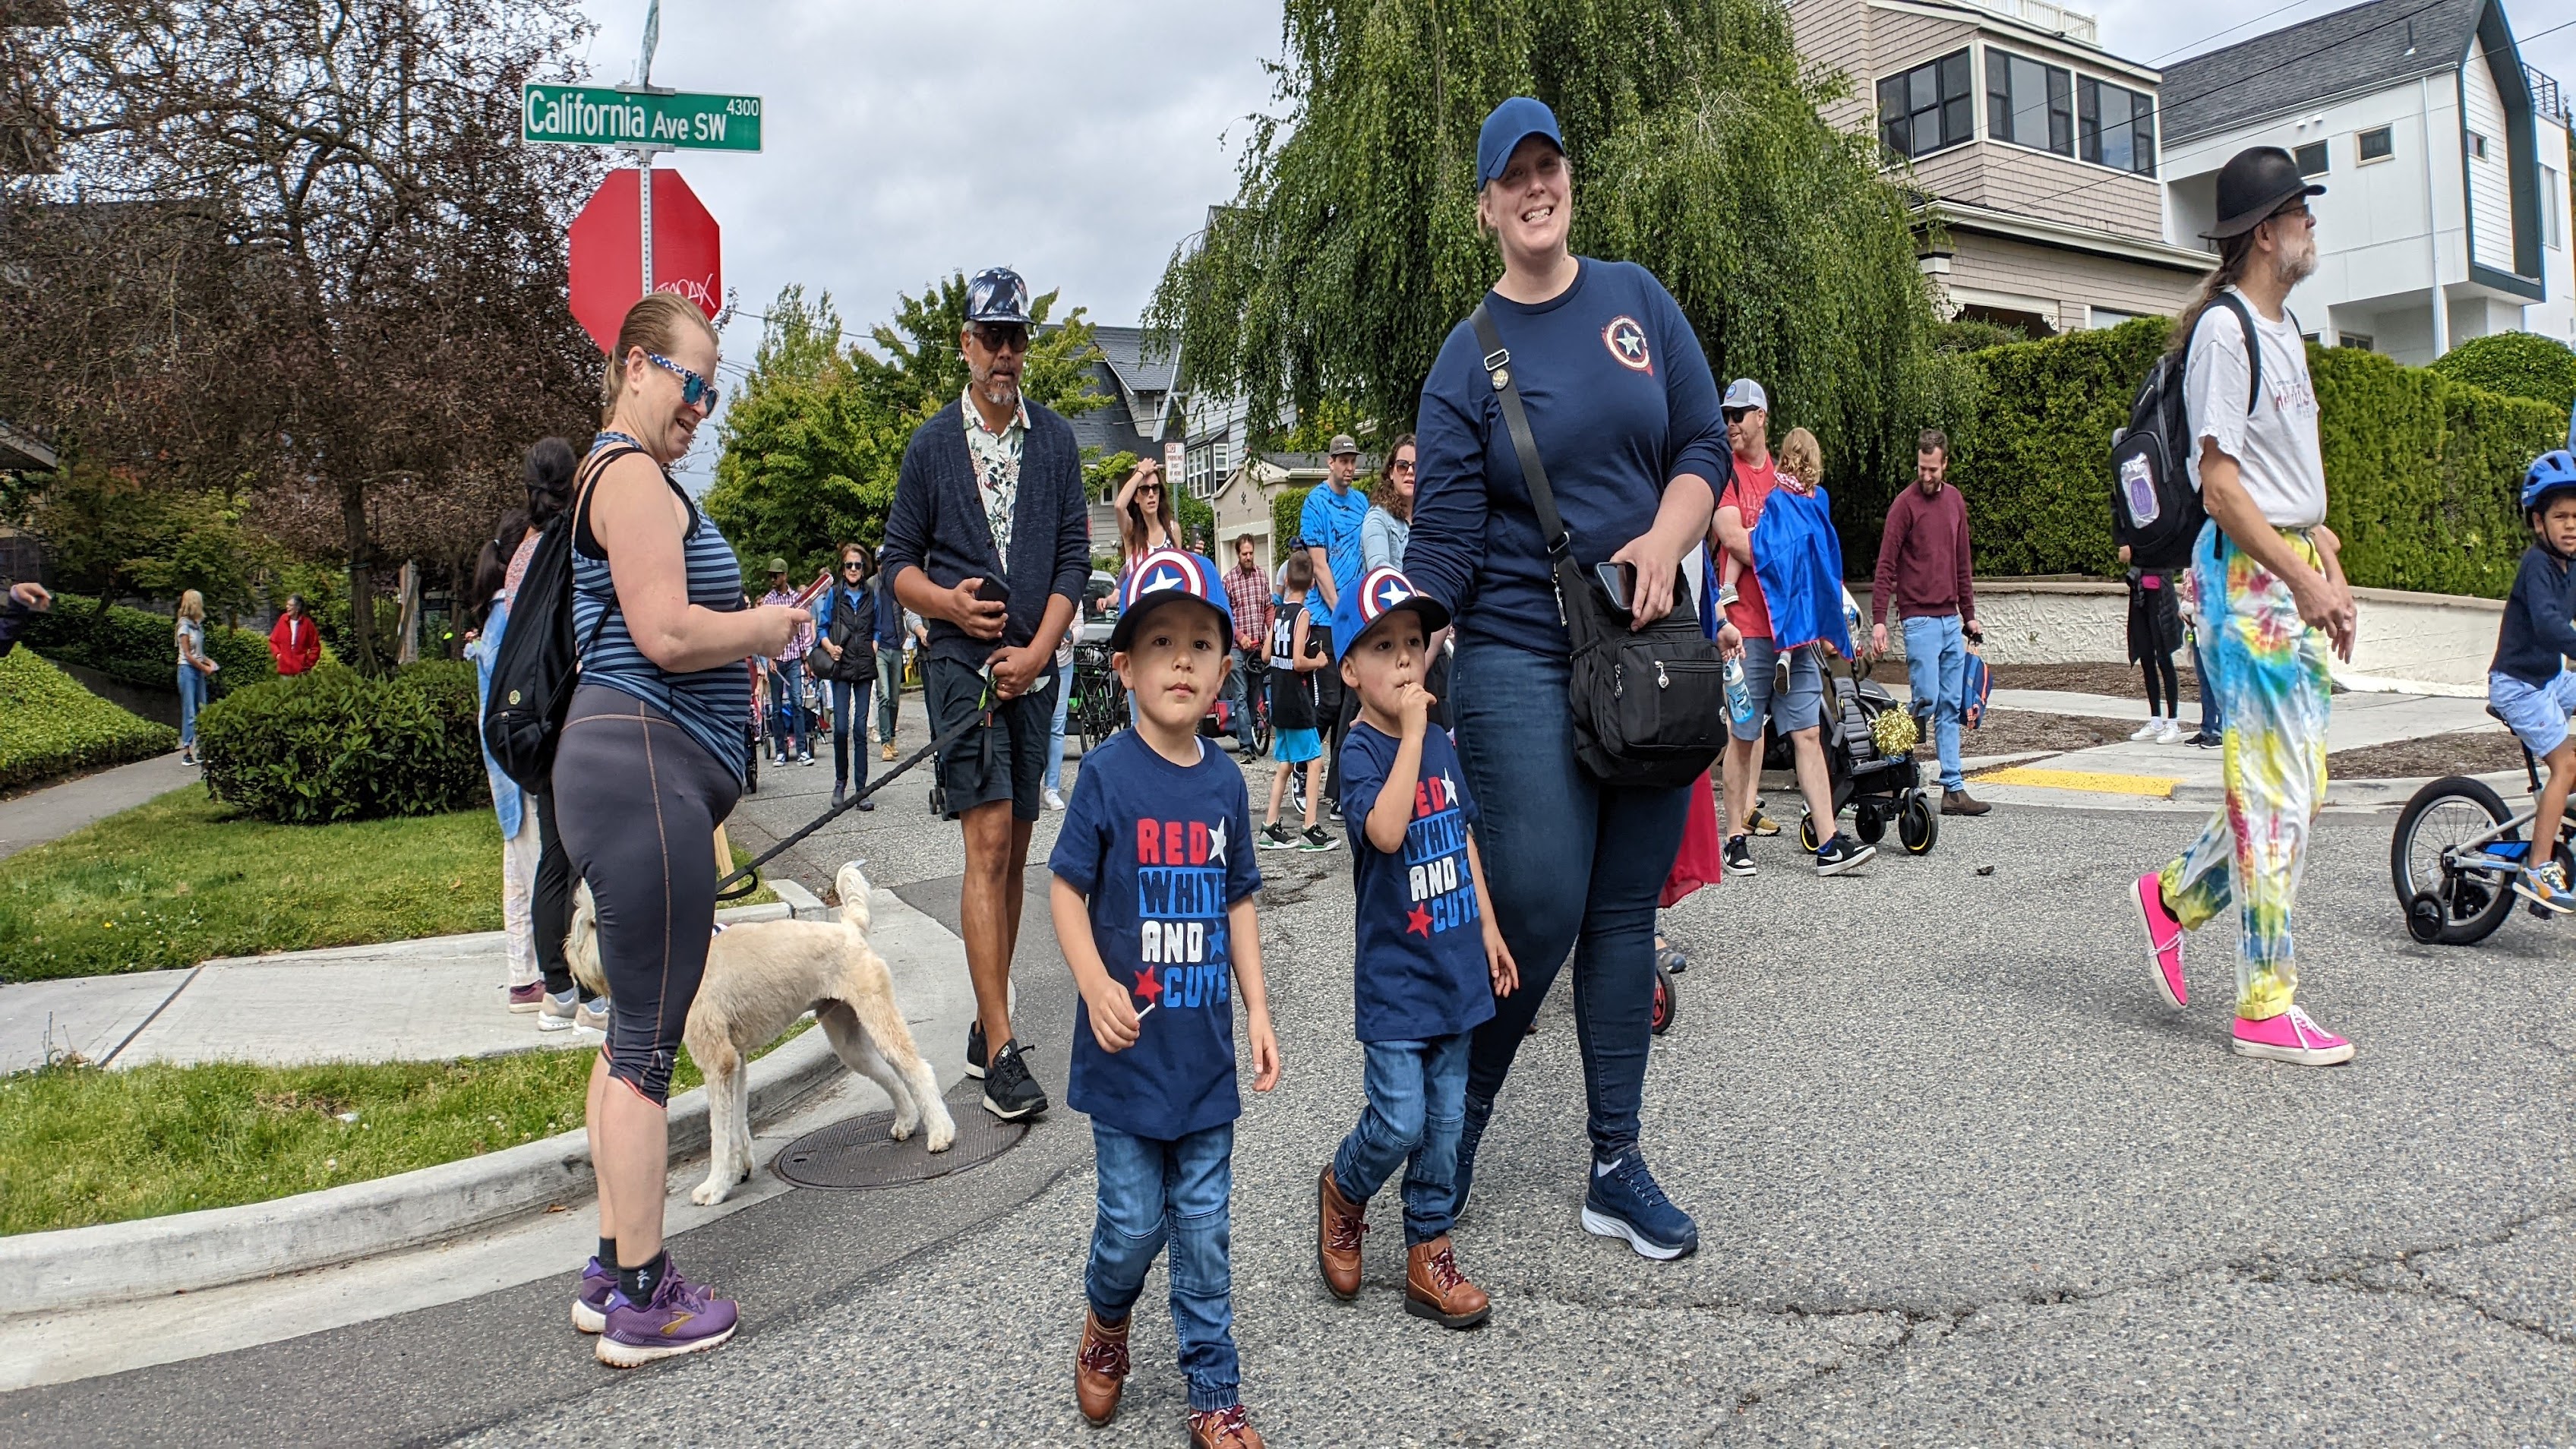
<point>1799,559</point>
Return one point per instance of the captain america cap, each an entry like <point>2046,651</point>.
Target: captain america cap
<point>1164,575</point>
<point>1382,591</point>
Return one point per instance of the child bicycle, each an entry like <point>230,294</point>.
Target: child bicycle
<point>2456,852</point>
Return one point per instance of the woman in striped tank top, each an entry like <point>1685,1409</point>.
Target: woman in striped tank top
<point>651,758</point>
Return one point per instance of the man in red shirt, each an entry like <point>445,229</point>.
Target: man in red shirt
<point>1923,560</point>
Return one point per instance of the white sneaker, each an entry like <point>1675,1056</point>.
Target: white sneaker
<point>1054,801</point>
<point>2171,734</point>
<point>2149,732</point>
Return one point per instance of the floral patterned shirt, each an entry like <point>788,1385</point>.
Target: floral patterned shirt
<point>997,469</point>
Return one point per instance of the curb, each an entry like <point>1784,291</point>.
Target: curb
<point>111,1262</point>
<point>2366,794</point>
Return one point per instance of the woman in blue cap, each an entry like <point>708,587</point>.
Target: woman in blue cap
<point>1625,414</point>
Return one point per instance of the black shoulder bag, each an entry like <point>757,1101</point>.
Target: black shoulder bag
<point>540,662</point>
<point>1649,704</point>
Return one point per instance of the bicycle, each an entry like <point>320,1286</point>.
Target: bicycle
<point>1098,707</point>
<point>2455,853</point>
<point>1218,723</point>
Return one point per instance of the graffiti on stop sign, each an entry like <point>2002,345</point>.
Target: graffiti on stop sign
<point>702,292</point>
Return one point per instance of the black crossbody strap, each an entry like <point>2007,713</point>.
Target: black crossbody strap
<point>594,467</point>
<point>1498,370</point>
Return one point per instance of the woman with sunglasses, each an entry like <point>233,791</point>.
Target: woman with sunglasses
<point>651,759</point>
<point>845,627</point>
<point>1146,519</point>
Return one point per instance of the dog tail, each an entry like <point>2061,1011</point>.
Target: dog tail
<point>852,885</point>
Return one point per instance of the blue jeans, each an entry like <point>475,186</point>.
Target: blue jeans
<point>1156,1192</point>
<point>849,713</point>
<point>2213,711</point>
<point>1237,679</point>
<point>1417,1102</point>
<point>1573,867</point>
<point>192,698</point>
<point>787,718</point>
<point>1936,665</point>
<point>1055,739</point>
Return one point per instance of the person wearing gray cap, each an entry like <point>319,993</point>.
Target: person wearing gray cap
<point>2272,594</point>
<point>1331,524</point>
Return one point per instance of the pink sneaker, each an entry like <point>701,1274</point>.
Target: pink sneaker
<point>2291,1037</point>
<point>2164,938</point>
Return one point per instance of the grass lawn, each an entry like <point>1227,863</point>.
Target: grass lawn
<point>182,879</point>
<point>81,1145</point>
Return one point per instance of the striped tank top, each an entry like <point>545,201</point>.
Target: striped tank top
<point>713,705</point>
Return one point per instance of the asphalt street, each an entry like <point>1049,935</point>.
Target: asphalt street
<point>1960,1177</point>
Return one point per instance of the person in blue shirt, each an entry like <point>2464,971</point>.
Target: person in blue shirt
<point>1625,416</point>
<point>845,643</point>
<point>1153,908</point>
<point>1430,960</point>
<point>2529,683</point>
<point>1332,524</point>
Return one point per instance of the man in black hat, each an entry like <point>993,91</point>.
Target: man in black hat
<point>989,540</point>
<point>2273,592</point>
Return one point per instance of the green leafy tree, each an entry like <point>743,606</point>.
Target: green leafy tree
<point>1351,246</point>
<point>2516,364</point>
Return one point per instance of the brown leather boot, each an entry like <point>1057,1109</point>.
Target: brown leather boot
<point>1222,1429</point>
<point>1100,1368</point>
<point>1339,1227</point>
<point>1435,1289</point>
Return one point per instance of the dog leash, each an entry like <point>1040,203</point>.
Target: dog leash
<point>745,881</point>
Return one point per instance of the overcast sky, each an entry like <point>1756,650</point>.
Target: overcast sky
<point>1078,143</point>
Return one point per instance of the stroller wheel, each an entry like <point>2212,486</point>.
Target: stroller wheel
<point>1660,1020</point>
<point>1807,840</point>
<point>1919,827</point>
<point>1868,823</point>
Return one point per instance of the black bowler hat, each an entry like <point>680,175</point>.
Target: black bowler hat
<point>2252,185</point>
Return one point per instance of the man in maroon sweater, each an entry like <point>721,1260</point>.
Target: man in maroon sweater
<point>1923,562</point>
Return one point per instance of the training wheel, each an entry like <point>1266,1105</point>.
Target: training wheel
<point>1661,1018</point>
<point>1807,834</point>
<point>2424,918</point>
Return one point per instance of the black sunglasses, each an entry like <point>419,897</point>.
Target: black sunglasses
<point>1002,336</point>
<point>1734,415</point>
<point>852,563</point>
<point>695,391</point>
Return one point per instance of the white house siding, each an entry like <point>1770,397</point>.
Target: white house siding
<point>2490,180</point>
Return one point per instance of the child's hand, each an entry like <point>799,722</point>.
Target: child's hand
<point>1114,1023</point>
<point>1265,1050</point>
<point>1413,710</point>
<point>1498,960</point>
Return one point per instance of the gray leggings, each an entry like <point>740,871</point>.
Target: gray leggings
<point>639,801</point>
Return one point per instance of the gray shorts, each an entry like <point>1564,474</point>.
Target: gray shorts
<point>1799,707</point>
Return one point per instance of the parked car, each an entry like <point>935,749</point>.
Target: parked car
<point>1099,609</point>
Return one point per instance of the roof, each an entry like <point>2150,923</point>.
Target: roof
<point>2374,44</point>
<point>1111,427</point>
<point>1125,349</point>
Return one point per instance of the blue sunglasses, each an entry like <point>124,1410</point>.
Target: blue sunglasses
<point>695,391</point>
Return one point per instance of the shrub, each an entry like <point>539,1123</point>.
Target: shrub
<point>1287,513</point>
<point>134,646</point>
<point>332,744</point>
<point>2516,364</point>
<point>51,726</point>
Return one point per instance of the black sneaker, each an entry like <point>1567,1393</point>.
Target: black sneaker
<point>975,1051</point>
<point>1315,838</point>
<point>1010,1093</point>
<point>1275,836</point>
<point>1841,854</point>
<point>1739,857</point>
<point>1333,808</point>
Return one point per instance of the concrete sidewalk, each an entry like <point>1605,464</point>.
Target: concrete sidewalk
<point>58,810</point>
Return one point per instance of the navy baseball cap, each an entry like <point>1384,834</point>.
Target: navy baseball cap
<point>1164,575</point>
<point>1382,591</point>
<point>1509,124</point>
<point>997,295</point>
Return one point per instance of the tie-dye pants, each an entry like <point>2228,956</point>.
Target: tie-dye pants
<point>2271,680</point>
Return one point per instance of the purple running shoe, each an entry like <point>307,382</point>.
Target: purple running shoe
<point>681,1318</point>
<point>590,1305</point>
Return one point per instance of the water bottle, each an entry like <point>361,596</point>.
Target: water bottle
<point>1739,700</point>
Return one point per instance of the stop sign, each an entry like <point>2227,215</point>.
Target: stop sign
<point>608,251</point>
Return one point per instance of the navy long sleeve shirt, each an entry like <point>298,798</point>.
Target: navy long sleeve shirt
<point>2537,636</point>
<point>937,526</point>
<point>1620,402</point>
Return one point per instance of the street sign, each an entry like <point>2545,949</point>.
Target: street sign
<point>610,256</point>
<point>605,116</point>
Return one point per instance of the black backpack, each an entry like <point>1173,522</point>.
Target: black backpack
<point>2155,510</point>
<point>533,678</point>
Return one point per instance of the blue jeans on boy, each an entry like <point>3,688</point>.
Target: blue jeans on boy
<point>1055,739</point>
<point>192,698</point>
<point>1936,666</point>
<point>1176,1192</point>
<point>2213,713</point>
<point>1417,1103</point>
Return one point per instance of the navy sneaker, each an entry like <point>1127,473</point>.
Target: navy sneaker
<point>1470,1132</point>
<point>1625,1203</point>
<point>590,1304</point>
<point>975,1054</point>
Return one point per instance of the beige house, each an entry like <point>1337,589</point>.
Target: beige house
<point>2034,151</point>
<point>1243,501</point>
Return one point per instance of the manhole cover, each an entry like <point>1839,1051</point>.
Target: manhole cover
<point>857,1153</point>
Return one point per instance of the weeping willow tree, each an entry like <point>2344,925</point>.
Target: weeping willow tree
<point>1351,247</point>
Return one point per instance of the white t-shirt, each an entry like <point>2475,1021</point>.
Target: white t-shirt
<point>2275,447</point>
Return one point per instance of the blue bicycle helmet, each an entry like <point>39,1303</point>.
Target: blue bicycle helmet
<point>2549,473</point>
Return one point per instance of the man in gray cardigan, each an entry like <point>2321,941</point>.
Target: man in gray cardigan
<point>989,540</point>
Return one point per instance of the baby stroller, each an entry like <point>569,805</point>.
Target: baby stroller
<point>1869,756</point>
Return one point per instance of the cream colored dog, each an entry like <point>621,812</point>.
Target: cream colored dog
<point>760,977</point>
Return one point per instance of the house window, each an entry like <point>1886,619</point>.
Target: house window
<point>1926,108</point>
<point>2477,147</point>
<point>2358,341</point>
<point>2551,194</point>
<point>2030,104</point>
<point>2312,159</point>
<point>2376,144</point>
<point>2115,126</point>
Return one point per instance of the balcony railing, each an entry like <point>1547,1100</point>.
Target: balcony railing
<point>2073,24</point>
<point>2546,96</point>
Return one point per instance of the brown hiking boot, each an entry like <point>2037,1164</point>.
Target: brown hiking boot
<point>1100,1368</point>
<point>1338,1231</point>
<point>1435,1289</point>
<point>1222,1429</point>
<point>889,749</point>
<point>1959,802</point>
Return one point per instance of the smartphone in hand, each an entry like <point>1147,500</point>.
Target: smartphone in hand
<point>1614,582</point>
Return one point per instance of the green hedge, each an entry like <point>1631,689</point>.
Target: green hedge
<point>332,744</point>
<point>2516,364</point>
<point>2422,472</point>
<point>1287,515</point>
<point>51,726</point>
<point>134,646</point>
